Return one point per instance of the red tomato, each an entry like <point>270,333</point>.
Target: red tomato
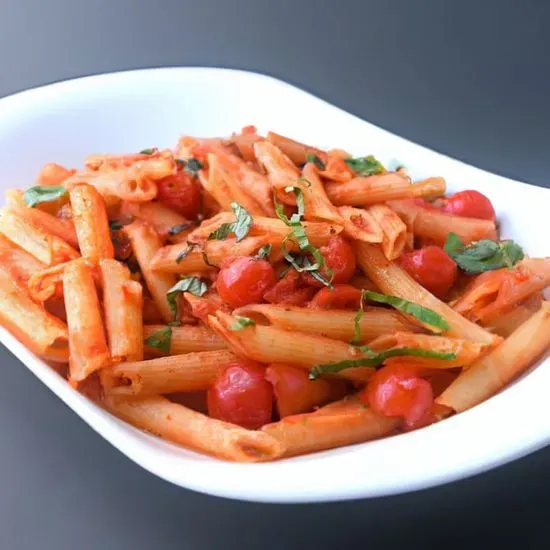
<point>470,204</point>
<point>432,267</point>
<point>397,390</point>
<point>339,297</point>
<point>181,192</point>
<point>339,257</point>
<point>244,280</point>
<point>290,291</point>
<point>295,393</point>
<point>241,395</point>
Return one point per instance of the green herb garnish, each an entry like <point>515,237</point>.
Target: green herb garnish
<point>242,323</point>
<point>240,227</point>
<point>185,252</point>
<point>316,160</point>
<point>365,166</point>
<point>148,151</point>
<point>193,166</point>
<point>115,225</point>
<point>264,252</point>
<point>177,229</point>
<point>193,285</point>
<point>43,193</point>
<point>161,340</point>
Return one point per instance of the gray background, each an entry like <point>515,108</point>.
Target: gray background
<point>468,78</point>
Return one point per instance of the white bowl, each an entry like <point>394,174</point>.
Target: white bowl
<point>129,111</point>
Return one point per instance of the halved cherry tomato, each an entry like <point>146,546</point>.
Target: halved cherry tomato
<point>244,280</point>
<point>397,390</point>
<point>470,204</point>
<point>339,297</point>
<point>181,192</point>
<point>241,395</point>
<point>339,258</point>
<point>432,267</point>
<point>295,393</point>
<point>290,291</point>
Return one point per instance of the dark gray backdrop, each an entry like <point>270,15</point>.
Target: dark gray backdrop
<point>468,78</point>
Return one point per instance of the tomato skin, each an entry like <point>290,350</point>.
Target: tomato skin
<point>397,390</point>
<point>340,258</point>
<point>241,395</point>
<point>244,280</point>
<point>181,192</point>
<point>290,291</point>
<point>432,267</point>
<point>296,394</point>
<point>340,297</point>
<point>470,204</point>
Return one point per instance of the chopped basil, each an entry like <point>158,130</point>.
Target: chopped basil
<point>193,285</point>
<point>357,324</point>
<point>242,323</point>
<point>148,151</point>
<point>264,252</point>
<point>43,193</point>
<point>316,160</point>
<point>185,252</point>
<point>115,225</point>
<point>180,163</point>
<point>423,314</point>
<point>365,166</point>
<point>240,227</point>
<point>206,260</point>
<point>161,340</point>
<point>484,255</point>
<point>193,166</point>
<point>376,359</point>
<point>177,229</point>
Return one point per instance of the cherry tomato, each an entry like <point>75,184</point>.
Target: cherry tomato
<point>244,280</point>
<point>470,204</point>
<point>432,267</point>
<point>339,257</point>
<point>295,393</point>
<point>397,390</point>
<point>339,297</point>
<point>241,395</point>
<point>181,192</point>
<point>290,291</point>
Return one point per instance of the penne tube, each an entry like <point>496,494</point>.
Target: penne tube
<point>122,305</point>
<point>22,265</point>
<point>434,225</point>
<point>394,231</point>
<point>360,225</point>
<point>184,426</point>
<point>336,324</point>
<point>87,343</point>
<point>185,339</point>
<point>364,191</point>
<point>281,171</point>
<point>297,152</point>
<point>317,205</point>
<point>29,322</point>
<point>179,373</point>
<point>215,186</point>
<point>244,142</point>
<point>505,324</point>
<point>156,163</point>
<point>91,223</point>
<point>62,228</point>
<point>146,244</point>
<point>166,258</point>
<point>274,345</point>
<point>345,422</point>
<point>53,174</point>
<point>393,280</point>
<point>47,248</point>
<point>466,351</point>
<point>506,362</point>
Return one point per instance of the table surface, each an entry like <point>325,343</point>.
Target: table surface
<point>467,78</point>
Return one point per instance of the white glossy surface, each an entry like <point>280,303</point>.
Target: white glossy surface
<point>130,111</point>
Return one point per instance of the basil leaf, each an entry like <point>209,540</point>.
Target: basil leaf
<point>484,255</point>
<point>374,359</point>
<point>206,260</point>
<point>115,225</point>
<point>193,166</point>
<point>193,285</point>
<point>161,340</point>
<point>357,326</point>
<point>180,163</point>
<point>177,229</point>
<point>365,166</point>
<point>148,151</point>
<point>242,323</point>
<point>423,314</point>
<point>240,227</point>
<point>316,160</point>
<point>43,193</point>
<point>264,252</point>
<point>184,253</point>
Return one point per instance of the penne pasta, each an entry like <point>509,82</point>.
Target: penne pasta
<point>47,248</point>
<point>22,265</point>
<point>179,373</point>
<point>185,339</point>
<point>184,426</point>
<point>87,343</point>
<point>122,305</point>
<point>281,171</point>
<point>338,324</point>
<point>336,425</point>
<point>506,362</point>
<point>394,231</point>
<point>146,244</point>
<point>317,205</point>
<point>297,152</point>
<point>91,223</point>
<point>393,280</point>
<point>360,225</point>
<point>53,174</point>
